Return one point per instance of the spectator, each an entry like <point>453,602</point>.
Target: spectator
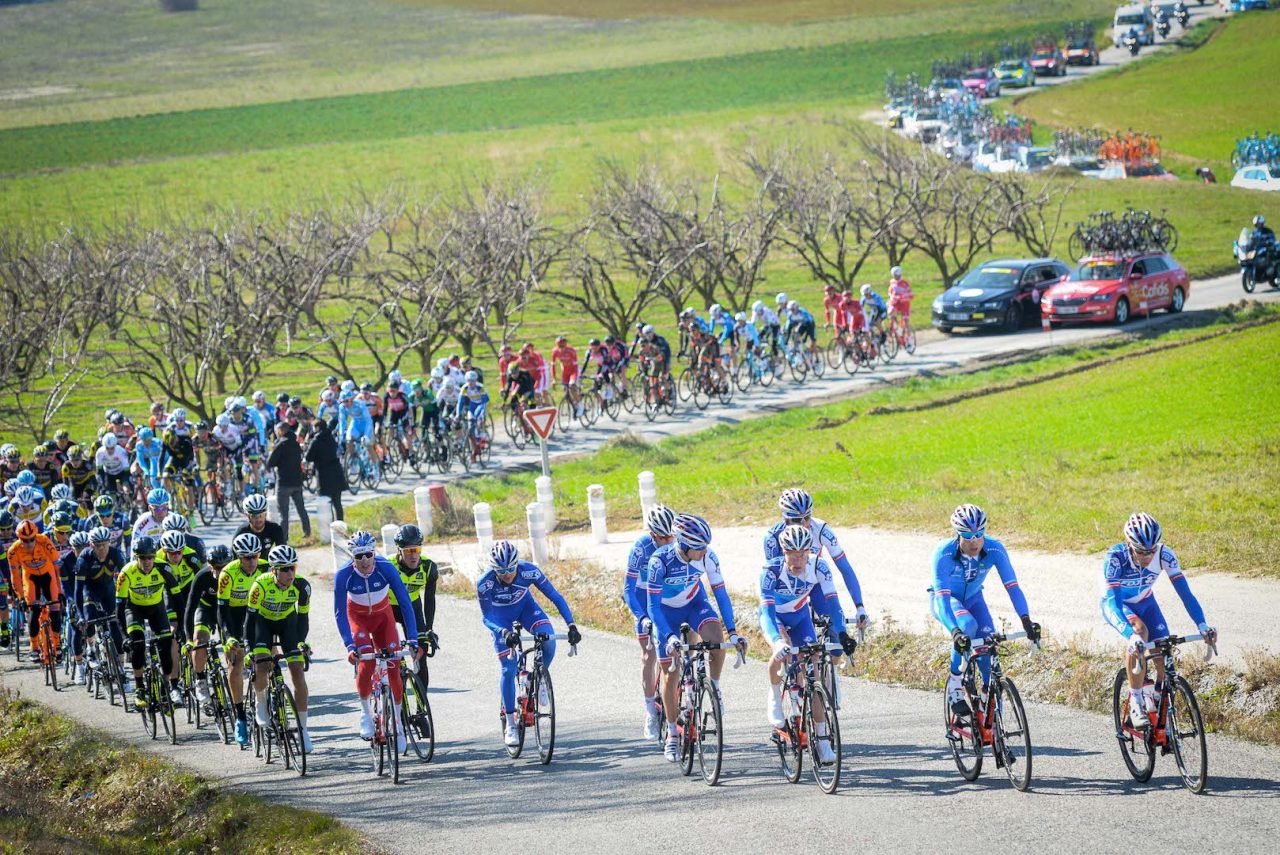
<point>286,458</point>
<point>323,453</point>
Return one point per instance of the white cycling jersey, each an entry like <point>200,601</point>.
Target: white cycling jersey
<point>113,461</point>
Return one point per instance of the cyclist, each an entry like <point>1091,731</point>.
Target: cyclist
<point>327,409</point>
<point>33,567</point>
<point>420,576</point>
<point>506,597</point>
<point>658,521</point>
<point>8,587</point>
<point>900,296</point>
<point>94,589</point>
<point>195,544</point>
<point>140,601</point>
<point>398,411</point>
<point>178,423</point>
<point>112,464</point>
<point>787,596</point>
<point>706,352</point>
<point>618,356</point>
<point>745,333</point>
<point>831,306</point>
<point>725,332</point>
<point>65,542</point>
<point>147,454</point>
<point>183,565</point>
<point>601,358</point>
<point>655,358</point>
<point>27,504</point>
<point>230,442</point>
<point>61,447</point>
<point>541,372</point>
<point>43,467</point>
<point>279,616</point>
<point>270,534</point>
<point>11,462</point>
<point>855,320</point>
<point>264,412</point>
<point>762,314</point>
<point>367,624</point>
<point>78,474</point>
<point>565,356</point>
<point>797,509</point>
<point>1130,571</point>
<point>473,401</point>
<point>117,522</point>
<point>373,404</point>
<point>355,424</point>
<point>874,308</point>
<point>677,596</point>
<point>447,402</point>
<point>202,615</point>
<point>798,324</point>
<point>151,523</point>
<point>519,384</point>
<point>233,601</point>
<point>960,566</point>
<point>179,461</point>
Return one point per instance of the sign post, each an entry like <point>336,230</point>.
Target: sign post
<point>541,421</point>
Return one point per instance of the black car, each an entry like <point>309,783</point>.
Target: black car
<point>1004,293</point>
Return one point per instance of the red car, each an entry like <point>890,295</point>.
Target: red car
<point>1049,61</point>
<point>1113,288</point>
<point>982,82</point>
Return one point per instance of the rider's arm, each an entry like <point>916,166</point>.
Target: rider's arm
<point>340,582</point>
<point>549,590</point>
<point>484,595</point>
<point>841,560</point>
<point>429,599</point>
<point>768,607</point>
<point>402,596</point>
<point>942,561</point>
<point>829,601</point>
<point>717,587</point>
<point>1179,581</point>
<point>771,548</point>
<point>653,597</point>
<point>1010,580</point>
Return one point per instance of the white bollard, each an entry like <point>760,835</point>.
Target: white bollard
<point>648,492</point>
<point>595,510</point>
<point>537,532</point>
<point>546,498</point>
<point>338,531</point>
<point>324,516</point>
<point>484,528</point>
<point>389,539</point>
<point>273,506</point>
<point>422,507</point>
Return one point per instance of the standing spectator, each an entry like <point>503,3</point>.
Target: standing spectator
<point>324,454</point>
<point>286,458</point>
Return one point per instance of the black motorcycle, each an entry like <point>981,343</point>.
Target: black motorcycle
<point>1131,42</point>
<point>1259,260</point>
<point>1183,16</point>
<point>1162,25</point>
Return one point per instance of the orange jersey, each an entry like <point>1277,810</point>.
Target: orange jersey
<point>852,309</point>
<point>831,307</point>
<point>38,557</point>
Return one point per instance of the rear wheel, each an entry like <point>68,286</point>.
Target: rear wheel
<point>1178,302</point>
<point>295,754</point>
<point>685,384</point>
<point>1185,730</point>
<point>1135,745</point>
<point>1013,318</point>
<point>966,744</point>
<point>787,738</point>
<point>544,717</point>
<point>389,733</point>
<point>835,352</point>
<point>565,413</point>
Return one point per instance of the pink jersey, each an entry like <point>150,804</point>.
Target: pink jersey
<point>900,295</point>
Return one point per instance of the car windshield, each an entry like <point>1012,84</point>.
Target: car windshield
<point>1038,158</point>
<point>1078,44</point>
<point>1130,20</point>
<point>976,74</point>
<point>1011,65</point>
<point>1097,271</point>
<point>926,115</point>
<point>991,278</point>
<point>1145,170</point>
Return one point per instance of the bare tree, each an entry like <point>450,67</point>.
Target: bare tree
<point>1033,214</point>
<point>588,284</point>
<point>734,246</point>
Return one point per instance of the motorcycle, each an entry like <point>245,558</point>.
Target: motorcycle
<point>1257,263</point>
<point>1131,42</point>
<point>1162,26</point>
<point>1183,16</point>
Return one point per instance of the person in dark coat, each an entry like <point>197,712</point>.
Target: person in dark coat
<point>286,459</point>
<point>324,454</point>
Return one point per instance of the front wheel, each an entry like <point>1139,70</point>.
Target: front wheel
<point>1135,746</point>
<point>1247,280</point>
<point>295,753</point>
<point>1013,318</point>
<point>828,774</point>
<point>710,735</point>
<point>1013,736</point>
<point>1122,312</point>
<point>419,727</point>
<point>1185,729</point>
<point>544,718</point>
<point>1178,302</point>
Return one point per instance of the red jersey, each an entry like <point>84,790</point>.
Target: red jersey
<point>851,308</point>
<point>900,295</point>
<point>831,305</point>
<point>567,358</point>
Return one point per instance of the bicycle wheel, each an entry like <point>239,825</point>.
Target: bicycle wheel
<point>1169,241</point>
<point>394,464</point>
<point>724,390</point>
<point>882,350</point>
<point>204,508</point>
<point>486,453</point>
<point>544,717</point>
<point>509,422</point>
<point>419,727</point>
<point>965,742</point>
<point>224,503</point>
<point>768,372</point>
<point>742,375</point>
<point>149,714</point>
<point>516,432</point>
<point>669,395</point>
<point>909,340</point>
<point>652,403</point>
<point>459,451</point>
<point>1136,747</point>
<point>565,413</point>
<point>611,402</point>
<point>1013,736</point>
<point>634,399</point>
<point>799,370</point>
<point>787,738</point>
<point>1185,729</point>
<point>835,352</point>
<point>442,455</point>
<point>816,364</point>
<point>223,710</point>
<point>514,751</point>
<point>891,344</point>
<point>590,410</point>
<point>710,735</point>
<point>167,718</point>
<point>378,745</point>
<point>351,470</point>
<point>290,729</point>
<point>684,384</point>
<point>701,392</point>
<point>1076,246</point>
<point>48,656</point>
<point>827,775</point>
<point>686,719</point>
<point>371,474</point>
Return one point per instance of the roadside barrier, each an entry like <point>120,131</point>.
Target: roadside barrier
<point>422,509</point>
<point>546,498</point>
<point>537,532</point>
<point>595,509</point>
<point>648,492</point>
<point>484,528</point>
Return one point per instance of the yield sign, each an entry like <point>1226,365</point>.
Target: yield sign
<point>541,420</point>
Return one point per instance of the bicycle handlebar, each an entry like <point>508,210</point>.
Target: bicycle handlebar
<point>738,660</point>
<point>1211,648</point>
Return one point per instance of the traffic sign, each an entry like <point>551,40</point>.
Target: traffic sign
<point>541,420</point>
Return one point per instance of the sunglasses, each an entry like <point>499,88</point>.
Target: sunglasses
<point>972,535</point>
<point>1144,552</point>
<point>411,550</point>
<point>361,556</point>
<point>286,568</point>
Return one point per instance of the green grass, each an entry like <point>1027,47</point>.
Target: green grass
<point>733,10</point>
<point>65,787</point>
<point>1199,102</point>
<point>1184,433</point>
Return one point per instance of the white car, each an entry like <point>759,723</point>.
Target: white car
<point>922,124</point>
<point>1257,177</point>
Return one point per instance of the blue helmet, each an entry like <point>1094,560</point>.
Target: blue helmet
<point>157,497</point>
<point>503,556</point>
<point>361,542</point>
<point>347,395</point>
<point>104,505</point>
<point>692,532</point>
<point>26,478</point>
<point>1142,531</point>
<point>795,503</point>
<point>146,433</point>
<point>968,519</point>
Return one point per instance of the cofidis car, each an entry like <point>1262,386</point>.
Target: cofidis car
<point>1113,288</point>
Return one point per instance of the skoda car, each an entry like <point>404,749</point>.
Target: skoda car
<point>1016,73</point>
<point>1111,288</point>
<point>1002,294</point>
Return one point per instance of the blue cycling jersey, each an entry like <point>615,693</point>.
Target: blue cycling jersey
<point>674,583</point>
<point>797,318</point>
<point>370,592</point>
<point>1126,584</point>
<point>638,565</point>
<point>501,604</point>
<point>748,333</point>
<point>95,581</point>
<point>354,420</point>
<point>957,578</point>
<point>150,457</point>
<point>472,400</point>
<point>784,594</point>
<point>823,537</point>
<point>724,325</point>
<point>876,302</point>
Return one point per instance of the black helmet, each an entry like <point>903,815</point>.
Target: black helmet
<point>145,546</point>
<point>282,398</point>
<point>366,387</point>
<point>594,342</point>
<point>7,520</point>
<point>408,535</point>
<point>295,401</point>
<point>220,554</point>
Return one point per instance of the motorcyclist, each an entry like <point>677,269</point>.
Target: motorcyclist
<point>1131,40</point>
<point>1262,233</point>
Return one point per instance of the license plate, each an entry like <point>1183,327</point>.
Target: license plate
<point>977,316</point>
<point>1068,310</point>
<point>957,316</point>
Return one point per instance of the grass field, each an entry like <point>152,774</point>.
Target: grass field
<point>1199,102</point>
<point>733,10</point>
<point>1184,433</point>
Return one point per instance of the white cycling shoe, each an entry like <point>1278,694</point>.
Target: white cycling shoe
<point>512,737</point>
<point>366,726</point>
<point>260,712</point>
<point>775,706</point>
<point>672,751</point>
<point>652,722</point>
<point>306,740</point>
<point>826,756</point>
<point>203,695</point>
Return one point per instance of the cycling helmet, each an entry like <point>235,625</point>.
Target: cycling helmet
<point>361,542</point>
<point>104,505</point>
<point>366,387</point>
<point>968,518</point>
<point>295,401</point>
<point>741,317</point>
<point>282,398</point>
<point>111,411</point>
<point>26,478</point>
<point>609,339</point>
<point>795,503</point>
<point>62,521</point>
<point>848,295</point>
<point>757,307</point>
<point>1142,531</point>
<point>202,425</point>
<point>229,403</point>
<point>348,385</point>
<point>796,537</point>
<point>408,535</point>
<point>595,342</point>
<point>40,451</point>
<point>158,497</point>
<point>647,329</point>
<point>145,547</point>
<point>561,340</point>
<point>220,555</point>
<point>10,487</point>
<point>75,452</point>
<point>472,377</point>
<point>66,506</point>
<point>895,272</point>
<point>79,539</point>
<point>828,288</point>
<point>176,522</point>
<point>117,418</point>
<point>246,544</point>
<point>178,415</point>
<point>62,433</point>
<point>7,520</point>
<point>1259,221</point>
<point>100,534</point>
<point>792,305</point>
<point>330,380</point>
<point>327,396</point>
<point>27,530</point>
<point>146,433</point>
<point>691,532</point>
<point>283,556</point>
<point>173,541</point>
<point>25,495</point>
<point>688,312</point>
<point>224,420</point>
<point>156,408</point>
<point>659,520</point>
<point>255,504</point>
<point>61,491</point>
<point>110,441</point>
<point>259,396</point>
<point>714,310</point>
<point>866,289</point>
<point>781,298</point>
<point>347,396</point>
<point>241,403</point>
<point>503,556</point>
<point>436,373</point>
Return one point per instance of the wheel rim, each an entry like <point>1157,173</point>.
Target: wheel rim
<point>966,748</point>
<point>544,720</point>
<point>1185,730</point>
<point>1138,754</point>
<point>710,736</point>
<point>787,739</point>
<point>828,776</point>
<point>1014,736</point>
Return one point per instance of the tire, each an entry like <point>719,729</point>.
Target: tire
<point>204,508</point>
<point>1013,318</point>
<point>351,471</point>
<point>828,777</point>
<point>685,716</point>
<point>684,384</point>
<point>1185,729</point>
<point>787,739</point>
<point>1247,281</point>
<point>742,376</point>
<point>613,406</point>
<point>1122,312</point>
<point>850,361</point>
<point>590,410</point>
<point>835,352</point>
<point>420,728</point>
<point>725,393</point>
<point>909,345</point>
<point>513,753</point>
<point>544,718</point>
<point>1138,752</point>
<point>816,364</point>
<point>652,405</point>
<point>1076,247</point>
<point>669,396</point>
<point>769,373</point>
<point>891,345</point>
<point>1178,303</point>
<point>634,401</point>
<point>148,716</point>
<point>966,744</point>
<point>710,735</point>
<point>1014,736</point>
<point>224,711</point>
<point>518,437</point>
<point>487,453</point>
<point>389,734</point>
<point>295,755</point>
<point>799,370</point>
<point>564,413</point>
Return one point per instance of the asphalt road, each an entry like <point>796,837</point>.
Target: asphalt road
<point>608,789</point>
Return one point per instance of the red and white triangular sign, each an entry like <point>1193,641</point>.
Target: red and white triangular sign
<point>541,420</point>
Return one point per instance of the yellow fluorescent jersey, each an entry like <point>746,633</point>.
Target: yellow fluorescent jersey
<point>415,580</point>
<point>143,588</point>
<point>234,582</point>
<point>184,571</point>
<point>271,602</point>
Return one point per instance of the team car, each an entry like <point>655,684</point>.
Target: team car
<point>1111,288</point>
<point>1049,61</point>
<point>982,82</point>
<point>1003,294</point>
<point>1016,73</point>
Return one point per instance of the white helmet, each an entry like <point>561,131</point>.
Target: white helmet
<point>223,420</point>
<point>259,396</point>
<point>327,396</point>
<point>648,329</point>
<point>895,272</point>
<point>436,373</point>
<point>781,299</point>
<point>348,385</point>
<point>792,305</point>
<point>110,441</point>
<point>395,376</point>
<point>714,309</point>
<point>757,307</point>
<point>741,317</point>
<point>472,377</point>
<point>866,289</point>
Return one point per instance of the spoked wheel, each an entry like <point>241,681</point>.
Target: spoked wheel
<point>909,340</point>
<point>544,717</point>
<point>816,363</point>
<point>612,405</point>
<point>891,344</point>
<point>882,350</point>
<point>351,470</point>
<point>669,395</point>
<point>742,375</point>
<point>514,752</point>
<point>965,742</point>
<point>419,728</point>
<point>1185,730</point>
<point>590,410</point>
<point>395,463</point>
<point>371,476</point>
<point>224,503</point>
<point>686,723</point>
<point>1136,747</point>
<point>486,454</point>
<point>515,430</point>
<point>684,385</point>
<point>390,744</point>
<point>787,739</point>
<point>768,372</point>
<point>799,370</point>
<point>634,399</point>
<point>295,753</point>
<point>565,413</point>
<point>167,718</point>
<point>725,390</point>
<point>441,455</point>
<point>835,352</point>
<point>701,392</point>
<point>827,775</point>
<point>1013,736</point>
<point>710,736</point>
<point>223,711</point>
<point>652,403</point>
<point>459,451</point>
<point>148,691</point>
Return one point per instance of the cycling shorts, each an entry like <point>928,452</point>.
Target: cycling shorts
<point>797,626</point>
<point>903,307</point>
<point>697,614</point>
<point>532,618</point>
<point>1147,610</point>
<point>359,431</point>
<point>873,317</point>
<point>972,615</point>
<point>806,331</point>
<point>282,633</point>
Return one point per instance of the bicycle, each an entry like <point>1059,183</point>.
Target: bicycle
<point>1175,727</point>
<point>102,662</point>
<point>154,688</point>
<point>220,707</point>
<point>533,686</point>
<point>17,627</point>
<point>415,709</point>
<point>707,384</point>
<point>699,718</point>
<point>384,742</point>
<point>986,723</point>
<point>283,728</point>
<point>659,396</point>
<point>44,643</point>
<point>359,467</point>
<point>608,399</point>
<point>754,368</point>
<point>902,334</point>
<point>480,438</point>
<point>805,689</point>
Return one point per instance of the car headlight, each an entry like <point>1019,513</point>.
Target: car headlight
<point>937,304</point>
